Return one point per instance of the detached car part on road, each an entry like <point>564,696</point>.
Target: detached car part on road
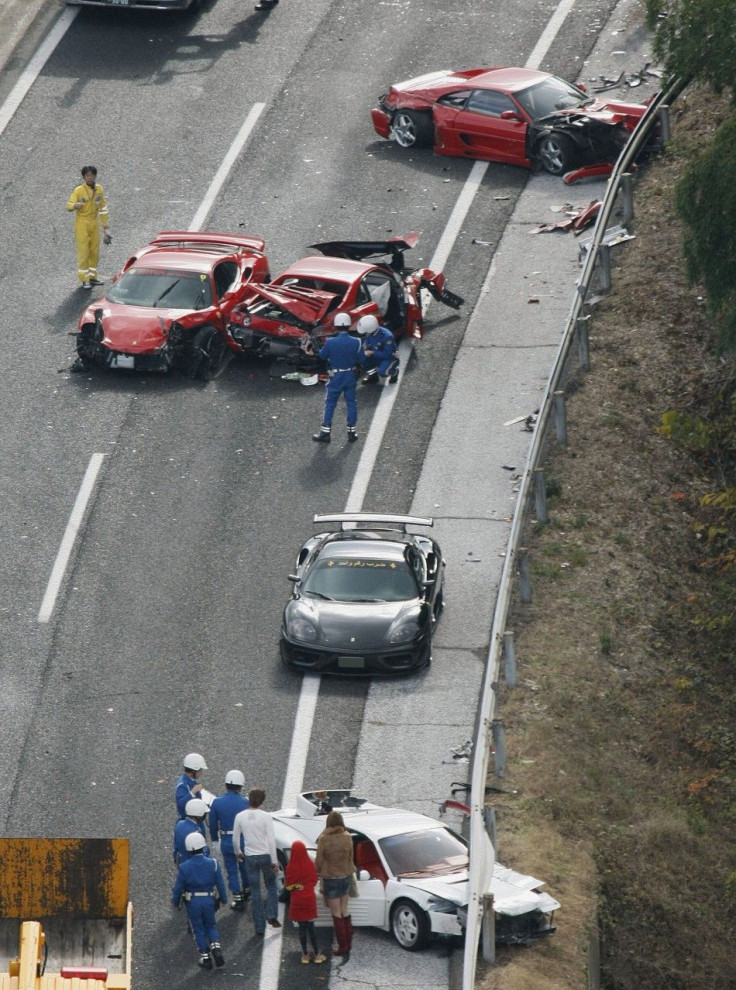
<point>412,873</point>
<point>366,599</point>
<point>289,319</point>
<point>171,304</point>
<point>515,115</point>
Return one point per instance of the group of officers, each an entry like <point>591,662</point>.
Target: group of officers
<point>199,883</point>
<point>373,351</point>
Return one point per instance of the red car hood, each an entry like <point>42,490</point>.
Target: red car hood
<point>307,305</point>
<point>606,113</point>
<point>132,329</point>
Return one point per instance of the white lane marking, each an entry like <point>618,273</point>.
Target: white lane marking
<point>549,34</point>
<point>227,163</point>
<point>70,536</point>
<point>32,71</point>
<point>387,399</point>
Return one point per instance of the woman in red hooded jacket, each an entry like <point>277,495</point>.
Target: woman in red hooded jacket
<point>300,879</point>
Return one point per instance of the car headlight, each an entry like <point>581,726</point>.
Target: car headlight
<point>442,906</point>
<point>404,631</point>
<point>302,629</point>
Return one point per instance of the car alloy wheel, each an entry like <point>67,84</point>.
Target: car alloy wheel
<point>557,153</point>
<point>410,925</point>
<point>411,129</point>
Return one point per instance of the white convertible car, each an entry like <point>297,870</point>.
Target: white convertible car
<point>413,872</point>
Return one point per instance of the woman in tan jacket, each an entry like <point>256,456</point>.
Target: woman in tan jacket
<point>335,866</point>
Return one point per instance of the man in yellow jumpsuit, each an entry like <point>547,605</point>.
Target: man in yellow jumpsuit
<point>89,206</point>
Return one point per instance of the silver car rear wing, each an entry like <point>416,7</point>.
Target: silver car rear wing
<point>374,520</point>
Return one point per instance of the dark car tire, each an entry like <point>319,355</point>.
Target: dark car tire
<point>410,925</point>
<point>208,352</point>
<point>557,153</point>
<point>412,129</point>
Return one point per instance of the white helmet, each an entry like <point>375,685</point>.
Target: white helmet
<point>341,320</point>
<point>194,761</point>
<point>195,808</point>
<point>235,777</point>
<point>194,842</point>
<point>367,324</point>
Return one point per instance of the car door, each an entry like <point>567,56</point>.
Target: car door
<point>490,126</point>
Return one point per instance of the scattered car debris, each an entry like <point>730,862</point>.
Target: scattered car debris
<point>630,79</point>
<point>577,218</point>
<point>613,235</point>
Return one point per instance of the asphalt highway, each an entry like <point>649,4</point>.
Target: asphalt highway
<point>163,638</point>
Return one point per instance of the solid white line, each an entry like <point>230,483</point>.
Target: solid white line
<point>35,65</point>
<point>549,34</point>
<point>227,163</point>
<point>70,536</point>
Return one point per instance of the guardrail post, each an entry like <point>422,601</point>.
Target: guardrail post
<point>560,417</point>
<point>604,267</point>
<point>489,929</point>
<point>509,656</point>
<point>583,343</point>
<point>489,816</point>
<point>499,746</point>
<point>627,192</point>
<point>540,496</point>
<point>522,555</point>
<point>664,123</point>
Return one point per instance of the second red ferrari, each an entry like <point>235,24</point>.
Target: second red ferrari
<point>514,115</point>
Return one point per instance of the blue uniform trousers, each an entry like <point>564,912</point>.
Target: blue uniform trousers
<point>201,913</point>
<point>341,383</point>
<point>237,876</point>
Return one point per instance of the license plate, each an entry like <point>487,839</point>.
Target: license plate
<point>122,361</point>
<point>119,3</point>
<point>353,663</point>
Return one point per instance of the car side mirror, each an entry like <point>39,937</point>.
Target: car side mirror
<point>293,577</point>
<point>510,115</point>
<point>363,875</point>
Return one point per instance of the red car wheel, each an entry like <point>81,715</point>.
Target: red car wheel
<point>412,129</point>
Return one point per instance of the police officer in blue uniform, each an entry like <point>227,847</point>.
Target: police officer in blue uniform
<point>188,785</point>
<point>343,353</point>
<point>379,347</point>
<point>199,884</point>
<point>196,812</point>
<point>222,817</point>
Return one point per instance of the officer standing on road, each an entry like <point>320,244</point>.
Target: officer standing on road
<point>200,885</point>
<point>222,817</point>
<point>188,785</point>
<point>89,206</point>
<point>196,812</point>
<point>343,353</point>
<point>379,347</point>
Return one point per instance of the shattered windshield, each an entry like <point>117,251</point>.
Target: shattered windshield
<point>430,852</point>
<point>154,287</point>
<point>551,94</point>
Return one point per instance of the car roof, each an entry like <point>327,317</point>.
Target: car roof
<point>510,79</point>
<point>378,823</point>
<point>366,546</point>
<point>181,259</point>
<point>319,266</point>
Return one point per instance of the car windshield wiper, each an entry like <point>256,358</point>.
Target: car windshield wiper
<point>382,600</point>
<point>317,594</point>
<point>166,291</point>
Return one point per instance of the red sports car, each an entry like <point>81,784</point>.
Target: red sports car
<point>289,318</point>
<point>518,116</point>
<point>171,304</point>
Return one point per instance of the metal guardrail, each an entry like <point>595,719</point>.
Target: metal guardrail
<point>482,852</point>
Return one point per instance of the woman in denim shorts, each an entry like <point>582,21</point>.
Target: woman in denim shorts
<point>335,866</point>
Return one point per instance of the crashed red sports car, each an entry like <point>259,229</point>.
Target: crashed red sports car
<point>171,304</point>
<point>518,116</point>
<point>289,318</point>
